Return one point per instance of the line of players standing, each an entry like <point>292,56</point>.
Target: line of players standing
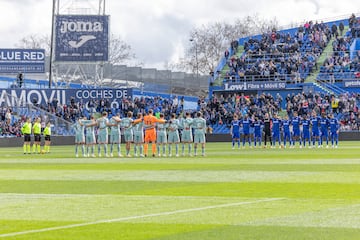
<point>141,131</point>
<point>307,129</point>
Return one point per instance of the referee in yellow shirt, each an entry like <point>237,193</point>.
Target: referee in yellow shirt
<point>47,136</point>
<point>26,131</point>
<point>37,135</point>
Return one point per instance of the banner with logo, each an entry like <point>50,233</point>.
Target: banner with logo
<point>249,86</point>
<point>351,83</point>
<point>22,97</point>
<point>22,60</point>
<point>81,38</point>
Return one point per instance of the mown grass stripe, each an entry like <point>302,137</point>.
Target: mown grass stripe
<point>237,189</point>
<point>137,217</point>
<point>210,176</point>
<point>325,166</point>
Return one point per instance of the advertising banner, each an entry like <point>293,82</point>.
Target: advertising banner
<point>21,97</point>
<point>251,86</point>
<point>81,38</point>
<point>351,83</point>
<point>22,60</point>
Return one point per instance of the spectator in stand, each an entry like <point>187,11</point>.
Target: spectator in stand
<point>334,30</point>
<point>8,116</point>
<point>226,54</point>
<point>341,28</point>
<point>352,21</point>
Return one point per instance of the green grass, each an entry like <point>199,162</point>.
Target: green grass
<point>229,194</point>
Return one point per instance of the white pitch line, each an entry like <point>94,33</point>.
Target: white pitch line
<point>136,217</point>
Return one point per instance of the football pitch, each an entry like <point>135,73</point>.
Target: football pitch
<point>229,194</point>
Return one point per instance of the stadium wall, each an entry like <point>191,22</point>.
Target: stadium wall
<point>18,141</point>
<point>70,140</point>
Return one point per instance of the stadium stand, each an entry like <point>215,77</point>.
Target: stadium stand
<point>292,56</point>
<point>343,63</point>
<point>288,56</point>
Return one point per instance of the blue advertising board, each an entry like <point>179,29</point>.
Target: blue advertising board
<point>22,60</point>
<point>22,97</point>
<point>81,38</point>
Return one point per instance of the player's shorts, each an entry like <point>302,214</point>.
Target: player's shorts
<point>138,137</point>
<point>306,135</point>
<point>187,136</point>
<point>150,135</point>
<point>257,134</point>
<point>27,138</point>
<point>236,135</point>
<point>47,138</point>
<point>324,133</point>
<point>199,138</point>
<point>296,133</point>
<point>115,138</point>
<point>37,137</point>
<point>247,132</point>
<point>79,138</point>
<point>90,139</point>
<point>128,137</point>
<point>276,135</point>
<point>287,135</point>
<point>173,137</point>
<point>102,137</point>
<point>315,133</point>
<point>334,135</point>
<point>161,137</point>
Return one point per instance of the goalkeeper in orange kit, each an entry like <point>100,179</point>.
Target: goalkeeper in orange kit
<point>150,131</point>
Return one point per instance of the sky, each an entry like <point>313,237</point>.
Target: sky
<point>158,30</point>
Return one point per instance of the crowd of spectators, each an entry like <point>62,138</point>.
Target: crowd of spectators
<point>339,65</point>
<point>354,25</point>
<point>281,56</point>
<point>7,127</point>
<point>220,110</point>
<point>73,110</point>
<point>291,57</point>
<point>217,111</point>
